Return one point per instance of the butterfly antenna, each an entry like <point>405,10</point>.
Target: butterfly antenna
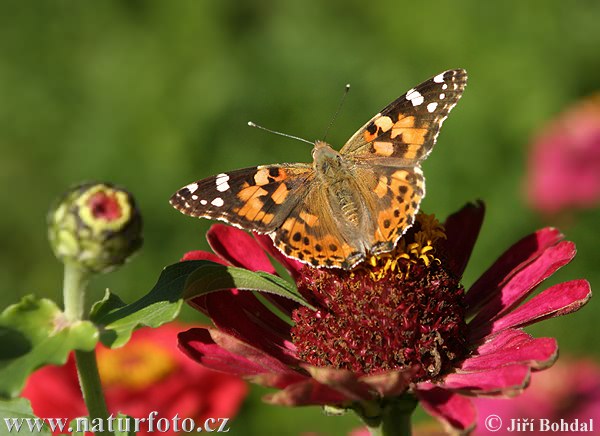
<point>337,112</point>
<point>251,124</point>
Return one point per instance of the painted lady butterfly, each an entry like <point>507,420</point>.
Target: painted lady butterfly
<point>346,205</point>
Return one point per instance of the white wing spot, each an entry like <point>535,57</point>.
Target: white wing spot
<point>192,187</point>
<point>439,78</point>
<point>221,182</point>
<point>194,197</point>
<point>445,86</point>
<point>431,107</point>
<point>218,202</point>
<point>442,96</point>
<point>414,97</point>
<point>203,202</point>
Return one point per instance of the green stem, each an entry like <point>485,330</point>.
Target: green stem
<point>75,283</point>
<point>389,417</point>
<point>74,286</point>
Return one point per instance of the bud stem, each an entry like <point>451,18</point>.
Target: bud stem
<point>75,283</point>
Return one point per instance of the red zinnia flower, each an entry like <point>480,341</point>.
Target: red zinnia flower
<point>148,374</point>
<point>564,164</point>
<point>394,330</point>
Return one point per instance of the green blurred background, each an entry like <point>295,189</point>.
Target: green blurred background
<point>152,95</point>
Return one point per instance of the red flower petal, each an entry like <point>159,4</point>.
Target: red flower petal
<point>535,353</point>
<point>504,339</point>
<point>555,301</point>
<point>513,260</point>
<point>462,229</point>
<point>505,380</point>
<point>520,284</point>
<point>202,255</point>
<point>238,248</point>
<point>222,352</point>
<point>244,317</point>
<point>455,411</point>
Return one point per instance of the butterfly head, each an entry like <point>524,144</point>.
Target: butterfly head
<point>326,159</point>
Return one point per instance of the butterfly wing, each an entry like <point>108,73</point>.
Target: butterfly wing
<point>313,234</point>
<point>394,200</point>
<point>404,132</point>
<point>257,199</point>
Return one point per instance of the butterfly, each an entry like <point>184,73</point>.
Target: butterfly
<point>346,205</point>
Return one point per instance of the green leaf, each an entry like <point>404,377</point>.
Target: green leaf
<point>34,333</point>
<point>182,280</point>
<point>14,412</point>
<point>161,305</point>
<point>212,277</point>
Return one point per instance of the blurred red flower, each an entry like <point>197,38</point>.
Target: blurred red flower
<point>399,328</point>
<point>148,374</point>
<point>564,163</point>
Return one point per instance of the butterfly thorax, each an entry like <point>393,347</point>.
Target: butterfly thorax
<point>336,174</point>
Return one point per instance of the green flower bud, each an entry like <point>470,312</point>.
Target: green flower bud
<point>96,226</point>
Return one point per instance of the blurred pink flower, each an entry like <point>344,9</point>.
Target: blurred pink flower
<point>394,330</point>
<point>569,390</point>
<point>148,374</point>
<point>564,163</point>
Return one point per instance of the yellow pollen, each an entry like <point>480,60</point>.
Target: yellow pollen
<point>137,366</point>
<point>420,250</point>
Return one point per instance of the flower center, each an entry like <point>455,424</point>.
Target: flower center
<point>137,366</point>
<point>104,205</point>
<point>398,310</point>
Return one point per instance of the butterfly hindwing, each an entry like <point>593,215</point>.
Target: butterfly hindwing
<point>404,132</point>
<point>396,196</point>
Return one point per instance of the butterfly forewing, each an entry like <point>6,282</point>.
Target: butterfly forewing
<point>258,198</point>
<point>404,132</point>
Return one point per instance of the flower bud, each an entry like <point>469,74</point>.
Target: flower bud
<point>96,226</point>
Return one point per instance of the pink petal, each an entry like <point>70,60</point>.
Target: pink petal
<point>306,393</point>
<point>462,229</point>
<point>239,248</point>
<point>454,411</point>
<point>506,380</point>
<point>513,259</point>
<point>555,301</point>
<point>240,359</point>
<point>520,284</point>
<point>535,353</point>
<point>342,381</point>
<point>291,265</point>
<point>247,319</point>
<point>504,339</point>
